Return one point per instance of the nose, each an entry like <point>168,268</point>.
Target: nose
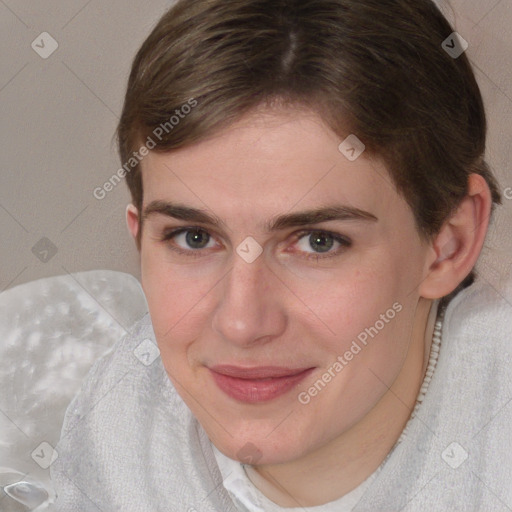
<point>251,308</point>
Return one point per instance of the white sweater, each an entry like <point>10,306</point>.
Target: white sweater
<point>129,443</point>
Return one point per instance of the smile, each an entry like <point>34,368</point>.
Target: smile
<point>259,384</point>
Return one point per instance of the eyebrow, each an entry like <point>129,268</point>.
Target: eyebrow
<point>288,220</point>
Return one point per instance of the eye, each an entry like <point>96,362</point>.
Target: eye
<point>189,239</point>
<point>318,244</point>
<point>314,243</point>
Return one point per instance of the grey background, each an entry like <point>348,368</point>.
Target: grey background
<point>59,114</point>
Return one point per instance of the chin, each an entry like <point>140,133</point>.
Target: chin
<point>260,448</point>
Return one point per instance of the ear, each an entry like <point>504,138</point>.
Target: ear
<point>132,221</point>
<point>455,249</point>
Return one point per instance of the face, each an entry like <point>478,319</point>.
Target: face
<point>281,281</point>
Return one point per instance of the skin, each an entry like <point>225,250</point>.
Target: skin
<point>293,306</point>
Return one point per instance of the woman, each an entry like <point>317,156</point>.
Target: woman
<point>309,199</point>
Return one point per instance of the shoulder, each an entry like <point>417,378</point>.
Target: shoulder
<point>481,313</point>
<point>126,420</point>
<point>130,375</point>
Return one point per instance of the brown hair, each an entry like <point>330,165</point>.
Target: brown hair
<point>375,68</point>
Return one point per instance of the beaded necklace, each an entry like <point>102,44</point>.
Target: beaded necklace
<point>432,363</point>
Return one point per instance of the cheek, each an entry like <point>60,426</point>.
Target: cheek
<point>346,300</point>
<point>363,312</point>
<point>167,294</point>
<point>178,303</point>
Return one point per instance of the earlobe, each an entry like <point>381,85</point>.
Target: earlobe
<point>456,247</point>
<point>132,220</point>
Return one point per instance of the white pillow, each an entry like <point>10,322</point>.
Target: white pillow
<point>51,332</point>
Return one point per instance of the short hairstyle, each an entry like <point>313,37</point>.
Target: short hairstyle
<point>373,68</point>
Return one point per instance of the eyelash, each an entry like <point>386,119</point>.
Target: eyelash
<point>194,253</point>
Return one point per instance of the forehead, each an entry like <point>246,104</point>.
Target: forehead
<point>266,163</point>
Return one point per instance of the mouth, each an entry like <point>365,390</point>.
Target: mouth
<point>257,384</point>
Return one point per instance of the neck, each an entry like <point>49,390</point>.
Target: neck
<point>339,467</point>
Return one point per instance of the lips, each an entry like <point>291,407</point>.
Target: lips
<point>257,384</point>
